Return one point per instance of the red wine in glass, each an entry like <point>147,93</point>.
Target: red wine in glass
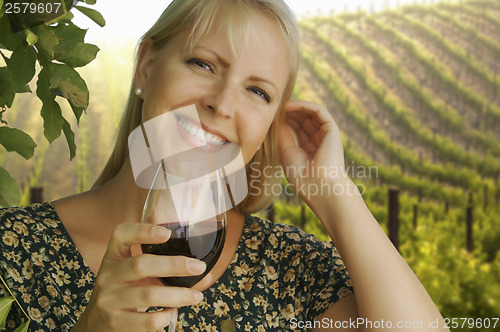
<point>196,241</point>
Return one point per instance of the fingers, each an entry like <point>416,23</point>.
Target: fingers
<point>143,266</point>
<point>157,296</point>
<point>125,235</point>
<point>311,122</point>
<point>298,110</point>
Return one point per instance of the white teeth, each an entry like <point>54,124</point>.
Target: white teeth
<point>201,134</point>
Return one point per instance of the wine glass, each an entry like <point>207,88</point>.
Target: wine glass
<point>194,208</point>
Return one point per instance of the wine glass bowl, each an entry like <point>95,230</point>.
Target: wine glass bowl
<point>195,211</point>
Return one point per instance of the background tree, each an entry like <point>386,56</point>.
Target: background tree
<point>49,53</point>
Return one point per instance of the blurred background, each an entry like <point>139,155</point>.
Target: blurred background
<point>415,89</point>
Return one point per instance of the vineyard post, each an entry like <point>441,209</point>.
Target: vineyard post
<point>270,212</point>
<point>446,207</point>
<point>470,244</point>
<point>394,217</point>
<point>36,194</point>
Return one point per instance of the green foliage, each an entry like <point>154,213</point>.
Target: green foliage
<point>16,140</point>
<point>467,59</point>
<point>5,305</point>
<point>94,15</point>
<point>23,328</point>
<point>438,70</point>
<point>57,48</point>
<point>461,283</point>
<point>448,115</point>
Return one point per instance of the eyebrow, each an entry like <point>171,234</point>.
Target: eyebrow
<point>263,80</point>
<point>225,63</point>
<point>219,58</point>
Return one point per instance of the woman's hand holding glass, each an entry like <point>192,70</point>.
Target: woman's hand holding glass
<point>126,282</point>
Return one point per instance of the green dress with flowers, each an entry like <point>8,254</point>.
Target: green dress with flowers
<point>279,276</point>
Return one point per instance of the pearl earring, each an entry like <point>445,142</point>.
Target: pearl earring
<point>138,91</point>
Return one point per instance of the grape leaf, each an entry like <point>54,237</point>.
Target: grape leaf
<point>43,90</point>
<point>7,92</point>
<point>2,11</point>
<point>67,18</point>
<point>24,327</point>
<point>77,55</point>
<point>94,15</point>
<point>17,140</point>
<point>22,65</point>
<point>9,40</point>
<point>71,85</point>
<point>5,302</point>
<point>78,111</point>
<point>52,120</point>
<point>47,40</point>
<point>70,138</point>
<point>31,38</point>
<point>23,89</point>
<point>10,195</point>
<point>69,34</point>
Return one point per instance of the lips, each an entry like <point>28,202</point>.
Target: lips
<point>203,133</point>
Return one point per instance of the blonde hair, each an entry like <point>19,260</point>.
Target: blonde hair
<point>199,17</point>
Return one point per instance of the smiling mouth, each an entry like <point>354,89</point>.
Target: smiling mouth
<point>200,133</point>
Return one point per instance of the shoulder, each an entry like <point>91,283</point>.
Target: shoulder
<point>305,268</point>
<point>19,222</point>
<point>25,214</point>
<point>24,233</point>
<point>287,246</point>
<point>40,266</point>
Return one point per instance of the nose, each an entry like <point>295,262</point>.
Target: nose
<point>220,99</point>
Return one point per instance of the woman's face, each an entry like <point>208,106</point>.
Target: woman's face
<point>237,96</point>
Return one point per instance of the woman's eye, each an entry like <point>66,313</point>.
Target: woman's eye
<point>200,63</point>
<point>261,93</point>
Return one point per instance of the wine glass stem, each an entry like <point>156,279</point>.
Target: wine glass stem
<point>173,320</point>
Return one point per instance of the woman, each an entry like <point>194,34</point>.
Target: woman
<point>236,61</point>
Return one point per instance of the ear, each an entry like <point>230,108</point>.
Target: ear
<point>145,60</point>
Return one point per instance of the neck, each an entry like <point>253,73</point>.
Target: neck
<point>120,199</point>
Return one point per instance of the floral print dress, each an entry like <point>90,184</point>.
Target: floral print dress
<point>279,276</point>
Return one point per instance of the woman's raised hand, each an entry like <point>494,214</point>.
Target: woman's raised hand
<point>318,154</point>
<point>124,284</point>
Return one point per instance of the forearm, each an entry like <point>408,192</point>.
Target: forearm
<point>385,286</point>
